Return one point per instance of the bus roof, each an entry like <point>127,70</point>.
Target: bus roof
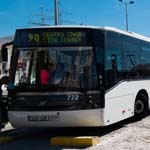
<point>131,34</point>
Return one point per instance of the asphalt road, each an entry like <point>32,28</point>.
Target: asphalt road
<point>39,138</point>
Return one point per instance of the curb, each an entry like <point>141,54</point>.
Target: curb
<point>74,141</point>
<point>6,139</point>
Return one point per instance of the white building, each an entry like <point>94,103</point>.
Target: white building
<point>4,66</point>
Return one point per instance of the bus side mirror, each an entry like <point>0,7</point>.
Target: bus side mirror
<point>111,77</point>
<point>4,54</point>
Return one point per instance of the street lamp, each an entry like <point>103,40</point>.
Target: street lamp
<point>126,5</point>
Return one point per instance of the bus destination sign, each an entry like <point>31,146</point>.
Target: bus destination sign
<point>53,38</point>
<point>34,38</point>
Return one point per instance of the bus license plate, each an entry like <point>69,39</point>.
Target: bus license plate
<point>43,118</point>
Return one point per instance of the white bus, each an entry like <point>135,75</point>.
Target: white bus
<point>99,76</point>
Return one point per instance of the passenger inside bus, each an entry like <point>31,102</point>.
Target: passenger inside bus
<point>51,73</point>
<point>58,74</point>
<point>68,79</point>
<point>85,77</point>
<point>23,78</point>
<point>51,69</point>
<point>44,74</point>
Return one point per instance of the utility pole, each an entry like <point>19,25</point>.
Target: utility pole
<point>56,12</point>
<point>126,16</point>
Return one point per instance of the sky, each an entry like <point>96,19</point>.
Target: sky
<point>16,14</point>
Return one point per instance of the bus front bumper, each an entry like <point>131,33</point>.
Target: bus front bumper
<point>79,118</point>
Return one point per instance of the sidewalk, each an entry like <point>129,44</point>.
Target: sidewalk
<point>135,136</point>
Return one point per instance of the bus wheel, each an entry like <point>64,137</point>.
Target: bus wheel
<point>141,106</point>
<point>0,122</point>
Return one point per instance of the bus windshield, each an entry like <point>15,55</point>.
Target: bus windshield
<point>70,67</point>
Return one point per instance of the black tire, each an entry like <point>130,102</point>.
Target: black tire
<point>141,106</point>
<point>0,125</point>
<point>1,122</point>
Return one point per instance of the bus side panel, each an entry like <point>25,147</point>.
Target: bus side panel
<point>120,100</point>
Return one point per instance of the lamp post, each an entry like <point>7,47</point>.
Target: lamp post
<point>126,6</point>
